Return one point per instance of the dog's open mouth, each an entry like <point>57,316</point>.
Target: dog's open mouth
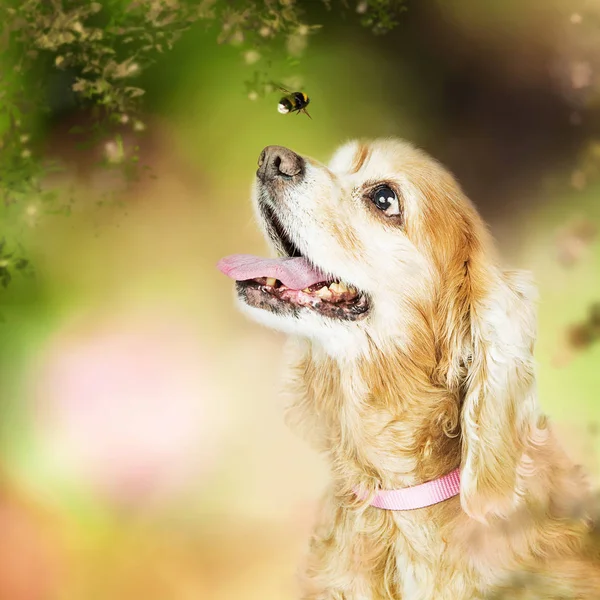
<point>287,284</point>
<point>332,299</point>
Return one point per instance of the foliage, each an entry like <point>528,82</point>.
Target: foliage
<point>381,16</point>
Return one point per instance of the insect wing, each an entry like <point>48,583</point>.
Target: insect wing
<point>281,88</point>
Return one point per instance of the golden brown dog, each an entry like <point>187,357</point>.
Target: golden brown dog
<point>412,356</point>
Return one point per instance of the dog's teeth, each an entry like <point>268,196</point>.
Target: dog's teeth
<point>338,288</point>
<point>306,291</point>
<point>271,281</point>
<point>324,292</point>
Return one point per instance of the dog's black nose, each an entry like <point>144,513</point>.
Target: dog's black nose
<point>279,162</point>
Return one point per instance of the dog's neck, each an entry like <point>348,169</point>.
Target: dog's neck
<point>382,420</point>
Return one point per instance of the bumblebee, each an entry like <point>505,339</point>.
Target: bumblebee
<point>293,102</point>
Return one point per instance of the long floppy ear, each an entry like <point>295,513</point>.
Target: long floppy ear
<point>499,404</point>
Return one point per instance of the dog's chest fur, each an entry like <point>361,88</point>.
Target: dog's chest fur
<point>426,566</point>
<point>371,440</point>
<point>381,421</point>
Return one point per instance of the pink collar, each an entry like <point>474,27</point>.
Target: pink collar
<point>418,496</point>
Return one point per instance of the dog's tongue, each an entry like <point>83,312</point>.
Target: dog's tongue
<point>294,273</point>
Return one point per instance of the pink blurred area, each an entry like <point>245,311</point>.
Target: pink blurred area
<point>129,403</point>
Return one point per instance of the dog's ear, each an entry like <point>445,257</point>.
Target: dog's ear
<point>485,324</point>
<point>499,404</point>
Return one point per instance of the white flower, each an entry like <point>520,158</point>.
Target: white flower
<point>581,75</point>
<point>251,57</point>
<point>361,7</point>
<point>113,152</point>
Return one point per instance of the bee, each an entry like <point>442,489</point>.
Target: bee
<point>293,102</point>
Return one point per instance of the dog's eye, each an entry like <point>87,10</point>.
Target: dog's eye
<point>385,199</point>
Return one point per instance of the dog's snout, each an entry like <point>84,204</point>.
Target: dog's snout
<point>279,162</point>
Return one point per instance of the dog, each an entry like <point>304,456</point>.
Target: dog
<point>411,368</point>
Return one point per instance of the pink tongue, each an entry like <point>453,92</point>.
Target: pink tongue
<point>294,273</point>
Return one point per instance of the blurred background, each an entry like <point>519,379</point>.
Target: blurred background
<point>143,449</point>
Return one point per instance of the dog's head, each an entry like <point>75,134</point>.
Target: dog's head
<point>381,250</point>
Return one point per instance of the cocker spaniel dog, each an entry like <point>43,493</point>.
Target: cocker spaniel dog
<point>412,370</point>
